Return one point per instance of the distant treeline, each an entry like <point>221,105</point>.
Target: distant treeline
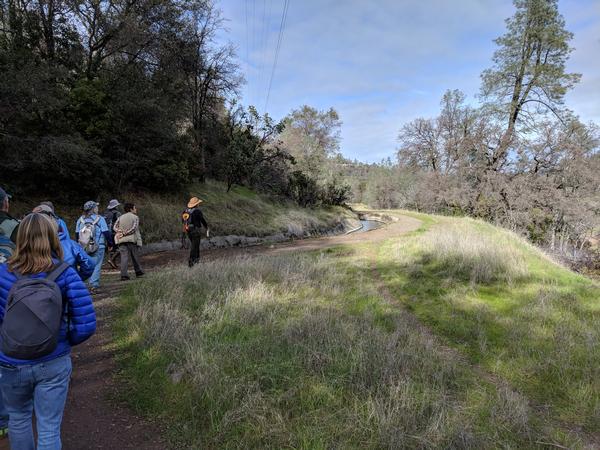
<point>118,95</point>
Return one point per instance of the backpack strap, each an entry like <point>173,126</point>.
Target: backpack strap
<point>18,275</point>
<point>57,271</point>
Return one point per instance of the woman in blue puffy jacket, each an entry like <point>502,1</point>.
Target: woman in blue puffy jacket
<point>42,384</point>
<point>73,254</point>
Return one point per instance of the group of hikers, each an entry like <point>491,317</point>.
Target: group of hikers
<point>46,281</point>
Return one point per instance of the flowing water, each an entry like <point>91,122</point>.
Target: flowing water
<point>368,225</point>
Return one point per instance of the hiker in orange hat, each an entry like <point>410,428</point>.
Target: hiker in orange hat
<point>193,221</point>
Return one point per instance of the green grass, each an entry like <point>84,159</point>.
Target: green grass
<point>527,319</point>
<point>302,351</point>
<point>240,211</point>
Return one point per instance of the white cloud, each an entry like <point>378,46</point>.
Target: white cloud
<point>383,63</point>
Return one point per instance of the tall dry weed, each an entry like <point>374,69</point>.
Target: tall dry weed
<point>460,249</point>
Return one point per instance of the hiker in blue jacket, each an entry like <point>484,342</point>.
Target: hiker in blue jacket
<point>61,223</point>
<point>9,226</point>
<point>73,254</point>
<point>41,384</point>
<point>96,244</point>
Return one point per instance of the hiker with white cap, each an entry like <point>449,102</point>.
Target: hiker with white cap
<point>111,215</point>
<point>92,234</point>
<point>193,221</point>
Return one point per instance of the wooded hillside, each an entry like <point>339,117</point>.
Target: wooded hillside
<point>121,95</point>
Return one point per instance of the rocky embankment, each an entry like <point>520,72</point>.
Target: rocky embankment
<point>294,231</point>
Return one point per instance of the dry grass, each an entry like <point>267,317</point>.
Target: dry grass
<point>478,255</point>
<point>238,212</point>
<point>301,352</point>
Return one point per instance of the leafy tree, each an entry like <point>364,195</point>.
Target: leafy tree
<point>528,77</point>
<point>94,91</point>
<point>253,147</point>
<point>312,137</point>
<point>303,189</point>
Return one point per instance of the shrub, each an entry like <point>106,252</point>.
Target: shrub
<point>335,194</point>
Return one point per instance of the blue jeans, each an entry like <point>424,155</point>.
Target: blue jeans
<point>3,413</point>
<point>41,387</point>
<point>98,259</point>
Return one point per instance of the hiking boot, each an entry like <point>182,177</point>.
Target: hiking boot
<point>125,278</point>
<point>139,274</point>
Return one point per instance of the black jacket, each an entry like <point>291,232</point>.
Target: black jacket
<point>197,219</point>
<point>111,216</point>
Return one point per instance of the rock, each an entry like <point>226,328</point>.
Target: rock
<point>155,247</point>
<point>218,242</point>
<point>233,240</point>
<point>279,237</point>
<point>252,241</point>
<point>294,231</point>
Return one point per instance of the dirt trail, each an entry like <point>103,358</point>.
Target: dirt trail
<point>404,225</point>
<point>93,417</point>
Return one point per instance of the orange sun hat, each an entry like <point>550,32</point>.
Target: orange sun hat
<point>194,201</point>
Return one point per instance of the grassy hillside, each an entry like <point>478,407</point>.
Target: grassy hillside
<point>240,211</point>
<point>509,308</point>
<point>311,350</point>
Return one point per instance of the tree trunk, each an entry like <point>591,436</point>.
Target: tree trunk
<point>202,164</point>
<point>201,154</point>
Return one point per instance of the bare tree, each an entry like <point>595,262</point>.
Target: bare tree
<point>210,74</point>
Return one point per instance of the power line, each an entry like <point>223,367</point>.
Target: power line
<point>254,38</point>
<point>247,44</point>
<point>279,40</point>
<point>263,46</point>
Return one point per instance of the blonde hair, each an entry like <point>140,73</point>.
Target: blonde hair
<point>37,244</point>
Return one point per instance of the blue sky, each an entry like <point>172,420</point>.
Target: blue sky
<point>382,63</point>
